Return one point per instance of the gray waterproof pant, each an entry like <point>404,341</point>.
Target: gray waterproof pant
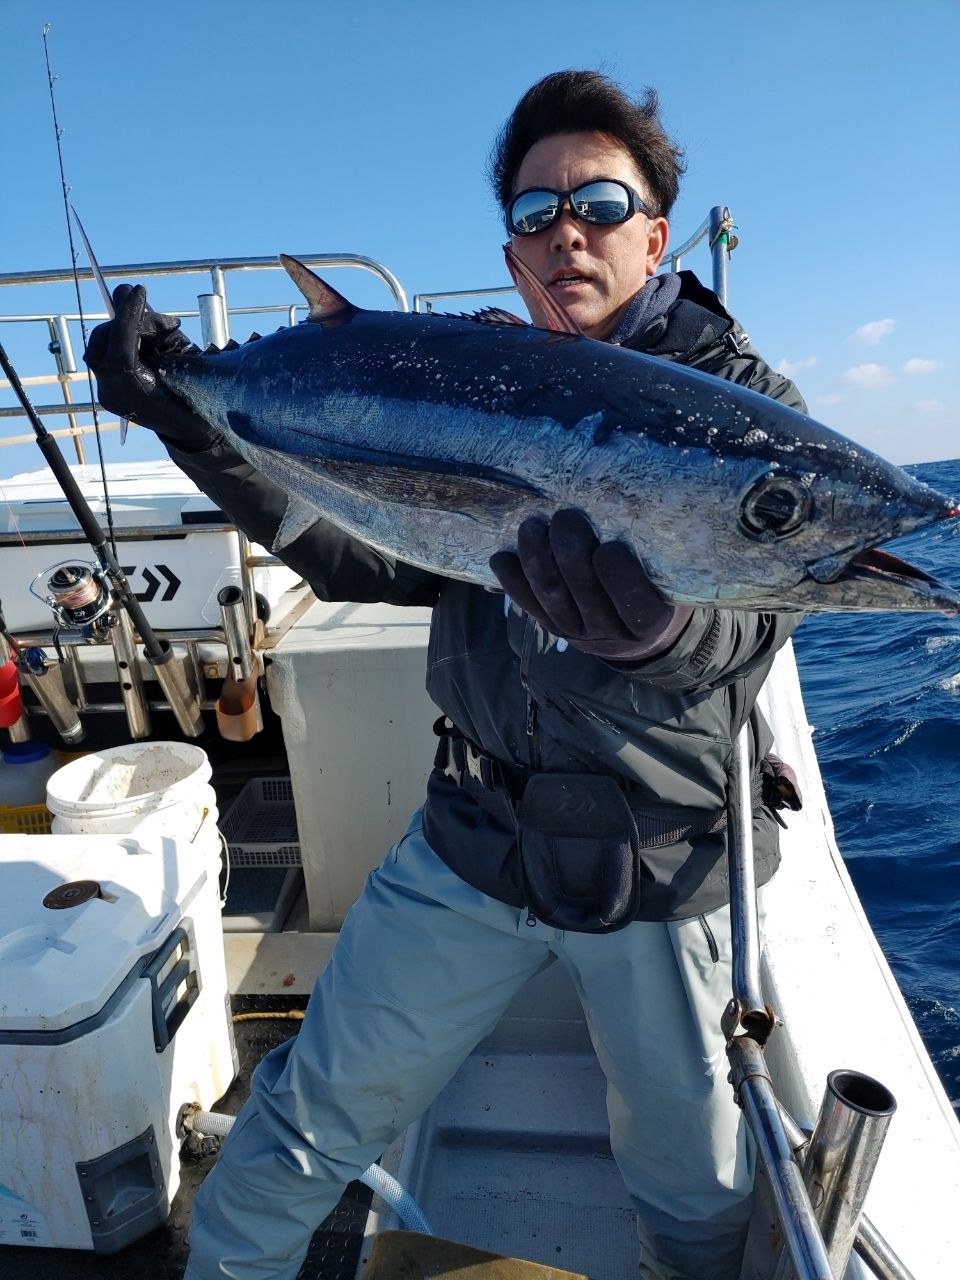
<point>424,967</point>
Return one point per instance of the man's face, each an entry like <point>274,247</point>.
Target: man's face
<point>594,271</point>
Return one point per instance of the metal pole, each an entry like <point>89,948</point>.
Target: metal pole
<point>720,222</point>
<point>754,1090</point>
<point>751,1011</point>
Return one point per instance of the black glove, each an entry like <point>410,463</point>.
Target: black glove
<point>126,386</point>
<point>596,595</point>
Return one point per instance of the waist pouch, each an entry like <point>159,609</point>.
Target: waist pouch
<point>578,860</point>
<point>579,852</point>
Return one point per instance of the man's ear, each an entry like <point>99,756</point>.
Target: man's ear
<point>658,234</point>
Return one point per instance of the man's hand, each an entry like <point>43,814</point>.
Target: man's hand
<point>596,595</point>
<point>126,386</point>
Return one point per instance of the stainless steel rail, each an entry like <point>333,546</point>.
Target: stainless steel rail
<point>218,268</point>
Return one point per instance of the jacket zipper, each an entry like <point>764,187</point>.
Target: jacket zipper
<point>533,736</point>
<point>531,726</point>
<point>711,940</point>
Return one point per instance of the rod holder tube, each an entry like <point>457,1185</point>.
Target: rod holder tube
<point>19,731</point>
<point>842,1155</point>
<point>67,360</point>
<point>233,614</point>
<point>44,678</point>
<point>182,699</point>
<point>801,1234</point>
<point>870,1244</point>
<point>130,676</point>
<point>213,320</point>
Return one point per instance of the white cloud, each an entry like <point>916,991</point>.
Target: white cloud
<point>831,397</point>
<point>790,367</point>
<point>867,375</point>
<point>873,332</point>
<point>928,406</point>
<point>915,366</point>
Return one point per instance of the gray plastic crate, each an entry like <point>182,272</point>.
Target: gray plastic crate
<point>260,827</point>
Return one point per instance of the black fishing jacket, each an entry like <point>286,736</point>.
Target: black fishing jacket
<point>665,728</point>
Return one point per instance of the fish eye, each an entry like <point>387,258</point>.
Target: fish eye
<point>777,505</point>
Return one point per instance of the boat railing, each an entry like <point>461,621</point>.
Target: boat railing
<point>214,311</point>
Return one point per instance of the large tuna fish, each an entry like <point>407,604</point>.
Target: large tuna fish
<point>432,438</point>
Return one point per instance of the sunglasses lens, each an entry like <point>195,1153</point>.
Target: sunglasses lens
<point>533,211</point>
<point>602,202</point>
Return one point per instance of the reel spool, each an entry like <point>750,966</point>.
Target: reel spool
<point>77,593</point>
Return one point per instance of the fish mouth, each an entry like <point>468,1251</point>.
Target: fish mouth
<point>873,579</point>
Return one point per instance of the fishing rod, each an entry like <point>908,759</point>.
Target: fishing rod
<point>65,191</point>
<point>92,599</point>
<point>94,603</point>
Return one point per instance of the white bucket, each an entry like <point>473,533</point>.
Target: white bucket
<point>149,790</point>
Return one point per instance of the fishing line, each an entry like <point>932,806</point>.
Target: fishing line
<point>58,132</point>
<point>27,547</point>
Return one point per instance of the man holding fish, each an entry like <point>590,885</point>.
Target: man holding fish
<point>576,810</point>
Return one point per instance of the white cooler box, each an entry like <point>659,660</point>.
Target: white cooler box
<point>176,578</point>
<point>114,1013</point>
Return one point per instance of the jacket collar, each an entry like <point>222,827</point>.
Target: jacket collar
<point>695,322</point>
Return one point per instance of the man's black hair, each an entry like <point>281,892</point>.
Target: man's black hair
<point>587,101</point>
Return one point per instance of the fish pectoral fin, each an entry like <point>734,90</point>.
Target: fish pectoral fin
<point>558,318</point>
<point>467,489</point>
<point>297,519</point>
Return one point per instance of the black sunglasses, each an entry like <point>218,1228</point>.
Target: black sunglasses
<point>603,202</point>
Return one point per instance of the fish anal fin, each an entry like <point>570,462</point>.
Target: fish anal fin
<point>326,304</point>
<point>297,519</point>
<point>558,318</point>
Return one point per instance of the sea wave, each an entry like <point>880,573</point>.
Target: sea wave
<point>883,690</point>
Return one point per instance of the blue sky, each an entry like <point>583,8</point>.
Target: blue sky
<point>201,127</point>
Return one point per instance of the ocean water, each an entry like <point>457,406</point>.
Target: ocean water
<point>883,692</point>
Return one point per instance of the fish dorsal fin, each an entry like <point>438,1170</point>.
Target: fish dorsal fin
<point>493,315</point>
<point>325,303</point>
<point>558,318</point>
